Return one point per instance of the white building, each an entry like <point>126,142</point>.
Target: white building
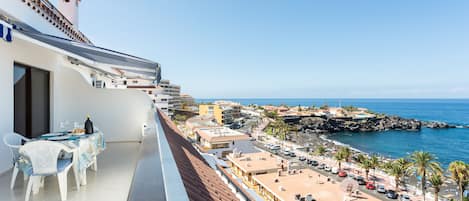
<point>221,141</point>
<point>174,91</point>
<point>156,93</point>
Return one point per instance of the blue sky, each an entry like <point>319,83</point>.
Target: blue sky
<point>288,49</point>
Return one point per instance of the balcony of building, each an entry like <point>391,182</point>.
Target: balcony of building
<point>133,171</point>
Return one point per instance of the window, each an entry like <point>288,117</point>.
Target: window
<point>31,101</point>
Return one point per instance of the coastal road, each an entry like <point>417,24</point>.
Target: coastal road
<point>325,174</point>
<point>330,162</point>
<point>448,189</point>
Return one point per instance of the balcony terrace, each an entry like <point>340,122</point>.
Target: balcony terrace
<point>111,182</point>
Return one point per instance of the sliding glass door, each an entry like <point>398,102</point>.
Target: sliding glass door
<point>32,101</point>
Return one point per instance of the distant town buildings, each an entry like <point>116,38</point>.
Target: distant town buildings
<point>165,96</point>
<point>346,112</point>
<point>245,166</point>
<point>220,140</point>
<point>187,100</point>
<point>160,100</point>
<point>225,112</point>
<point>174,91</point>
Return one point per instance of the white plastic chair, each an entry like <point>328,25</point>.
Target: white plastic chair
<point>44,158</point>
<point>14,141</point>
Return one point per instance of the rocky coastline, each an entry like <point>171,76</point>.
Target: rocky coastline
<point>333,125</point>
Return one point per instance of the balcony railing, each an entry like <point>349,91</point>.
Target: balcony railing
<point>157,176</point>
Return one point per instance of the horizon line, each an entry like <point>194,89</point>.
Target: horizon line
<point>425,98</point>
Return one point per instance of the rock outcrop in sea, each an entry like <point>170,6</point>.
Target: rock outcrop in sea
<point>437,124</point>
<point>333,125</point>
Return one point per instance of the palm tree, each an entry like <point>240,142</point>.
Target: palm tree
<point>424,163</point>
<point>374,162</point>
<point>283,131</point>
<point>320,150</point>
<point>405,164</point>
<point>398,168</point>
<point>436,181</point>
<point>366,164</point>
<point>340,156</point>
<point>460,173</point>
<point>346,152</point>
<point>360,158</point>
<point>343,154</point>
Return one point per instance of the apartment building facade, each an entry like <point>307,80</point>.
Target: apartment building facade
<point>174,91</point>
<point>224,112</point>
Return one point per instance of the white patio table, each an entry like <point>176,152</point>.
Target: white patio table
<point>86,149</point>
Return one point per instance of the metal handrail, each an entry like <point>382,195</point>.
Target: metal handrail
<point>174,186</point>
<point>157,176</point>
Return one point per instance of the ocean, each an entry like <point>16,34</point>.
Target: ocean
<point>446,144</point>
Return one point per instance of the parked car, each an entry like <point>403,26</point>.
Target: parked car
<point>235,126</point>
<point>380,189</point>
<point>342,174</point>
<point>292,154</point>
<point>391,194</point>
<point>327,168</point>
<point>286,152</point>
<point>360,180</point>
<point>301,158</point>
<point>308,161</point>
<point>405,198</point>
<point>322,166</point>
<point>314,163</point>
<point>351,176</point>
<point>334,170</point>
<point>370,186</point>
<point>275,147</point>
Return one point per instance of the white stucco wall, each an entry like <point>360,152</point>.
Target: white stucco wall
<point>6,103</point>
<point>120,114</point>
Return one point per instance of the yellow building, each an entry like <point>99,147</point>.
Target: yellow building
<point>248,165</point>
<point>224,113</point>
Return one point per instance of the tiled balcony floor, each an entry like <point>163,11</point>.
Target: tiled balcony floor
<point>112,181</point>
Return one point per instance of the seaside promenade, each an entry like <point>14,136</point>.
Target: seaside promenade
<point>379,176</point>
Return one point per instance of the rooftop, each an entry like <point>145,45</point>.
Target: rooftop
<point>220,134</point>
<point>226,103</point>
<point>255,162</point>
<point>200,180</point>
<point>201,121</point>
<point>289,185</point>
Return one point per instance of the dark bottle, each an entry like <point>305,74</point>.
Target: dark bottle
<point>89,129</point>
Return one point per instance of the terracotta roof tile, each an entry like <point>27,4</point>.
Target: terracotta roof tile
<point>200,180</point>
